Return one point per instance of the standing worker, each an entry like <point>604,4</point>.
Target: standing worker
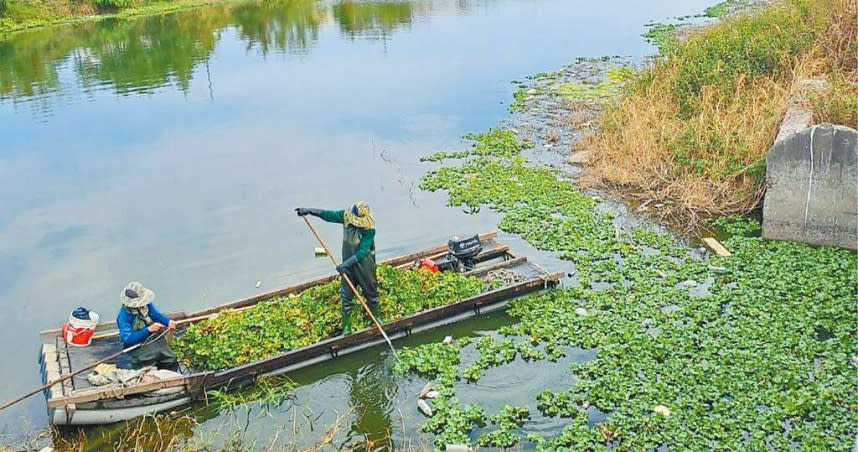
<point>137,320</point>
<point>358,262</point>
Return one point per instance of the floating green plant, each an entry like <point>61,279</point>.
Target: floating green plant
<point>289,322</point>
<point>758,356</point>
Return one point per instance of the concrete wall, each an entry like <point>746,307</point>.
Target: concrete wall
<point>812,195</point>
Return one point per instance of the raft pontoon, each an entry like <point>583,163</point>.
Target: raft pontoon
<point>76,402</point>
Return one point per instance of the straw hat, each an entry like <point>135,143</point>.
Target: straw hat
<point>135,295</point>
<point>359,215</point>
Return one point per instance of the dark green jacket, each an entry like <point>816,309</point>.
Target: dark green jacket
<point>365,247</point>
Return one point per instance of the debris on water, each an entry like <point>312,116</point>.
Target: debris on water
<point>424,407</point>
<point>432,394</point>
<point>426,388</point>
<point>548,146</point>
<point>515,131</point>
<point>318,251</point>
<point>457,448</point>
<point>718,270</point>
<point>662,410</point>
<point>258,284</point>
<point>670,309</point>
<point>643,207</point>
<point>661,273</point>
<point>716,246</point>
<point>581,311</point>
<point>448,340</point>
<point>688,283</point>
<point>579,157</point>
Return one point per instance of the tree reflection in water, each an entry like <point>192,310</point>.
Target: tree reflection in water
<point>131,56</point>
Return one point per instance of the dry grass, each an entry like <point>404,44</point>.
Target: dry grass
<point>695,130</point>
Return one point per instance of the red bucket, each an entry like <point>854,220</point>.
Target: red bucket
<point>78,332</point>
<point>427,264</point>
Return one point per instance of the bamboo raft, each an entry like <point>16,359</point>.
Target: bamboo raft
<point>76,402</point>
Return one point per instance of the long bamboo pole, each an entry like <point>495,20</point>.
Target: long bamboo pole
<point>352,287</point>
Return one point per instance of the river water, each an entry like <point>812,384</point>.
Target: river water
<point>173,150</point>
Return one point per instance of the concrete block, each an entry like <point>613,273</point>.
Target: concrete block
<point>795,119</point>
<point>812,196</point>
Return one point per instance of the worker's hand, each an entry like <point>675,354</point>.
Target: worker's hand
<point>304,211</point>
<point>155,327</point>
<point>172,325</point>
<point>347,264</point>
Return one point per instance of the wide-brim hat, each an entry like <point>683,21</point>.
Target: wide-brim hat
<point>135,295</point>
<point>359,215</point>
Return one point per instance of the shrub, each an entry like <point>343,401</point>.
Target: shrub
<point>111,5</point>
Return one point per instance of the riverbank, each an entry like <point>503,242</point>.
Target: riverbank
<point>692,129</point>
<point>19,15</point>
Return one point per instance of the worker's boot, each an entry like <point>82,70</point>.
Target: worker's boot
<point>347,322</point>
<point>376,311</point>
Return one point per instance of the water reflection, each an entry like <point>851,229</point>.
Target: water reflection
<point>140,56</point>
<point>372,19</point>
<point>291,27</point>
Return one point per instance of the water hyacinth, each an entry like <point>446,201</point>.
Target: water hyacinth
<point>756,355</point>
<point>296,320</point>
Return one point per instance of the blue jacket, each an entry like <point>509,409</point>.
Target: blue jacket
<point>125,323</point>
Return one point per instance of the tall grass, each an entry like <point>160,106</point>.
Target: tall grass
<point>696,124</point>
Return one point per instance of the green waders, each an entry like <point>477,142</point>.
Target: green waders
<point>361,275</point>
<point>156,353</point>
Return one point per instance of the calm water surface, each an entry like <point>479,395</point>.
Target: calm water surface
<point>172,150</point>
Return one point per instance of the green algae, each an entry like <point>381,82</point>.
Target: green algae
<point>604,89</point>
<point>759,357</point>
<point>574,84</point>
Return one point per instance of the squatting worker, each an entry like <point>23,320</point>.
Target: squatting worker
<point>138,319</point>
<point>358,255</point>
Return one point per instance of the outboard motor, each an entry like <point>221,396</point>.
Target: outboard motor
<point>460,254</point>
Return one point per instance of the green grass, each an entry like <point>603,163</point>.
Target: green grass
<point>746,47</point>
<point>19,15</point>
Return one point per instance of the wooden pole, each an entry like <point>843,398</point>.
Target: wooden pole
<point>9,403</point>
<point>352,287</point>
